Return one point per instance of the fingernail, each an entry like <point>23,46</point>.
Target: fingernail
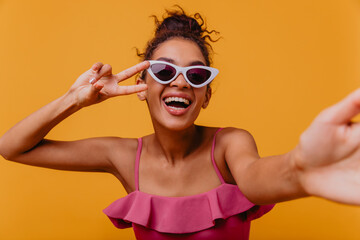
<point>92,81</point>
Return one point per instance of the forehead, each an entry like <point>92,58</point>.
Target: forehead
<point>182,51</point>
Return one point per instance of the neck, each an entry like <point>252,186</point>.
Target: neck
<point>176,145</point>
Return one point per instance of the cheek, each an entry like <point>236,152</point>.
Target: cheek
<point>201,94</point>
<point>151,82</point>
<point>154,91</point>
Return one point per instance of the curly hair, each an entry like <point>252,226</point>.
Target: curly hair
<point>176,23</point>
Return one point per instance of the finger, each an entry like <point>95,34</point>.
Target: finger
<point>106,70</point>
<point>126,90</point>
<point>98,86</point>
<point>355,129</point>
<point>343,111</point>
<point>132,71</point>
<point>94,69</point>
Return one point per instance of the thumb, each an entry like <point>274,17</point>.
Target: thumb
<point>343,111</point>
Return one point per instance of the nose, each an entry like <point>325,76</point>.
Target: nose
<point>180,82</point>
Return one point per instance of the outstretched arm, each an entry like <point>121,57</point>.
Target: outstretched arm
<point>325,163</point>
<point>25,142</point>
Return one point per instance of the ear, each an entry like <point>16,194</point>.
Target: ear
<point>207,97</point>
<point>143,94</point>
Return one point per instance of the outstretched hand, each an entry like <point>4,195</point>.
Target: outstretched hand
<point>328,155</point>
<point>98,83</point>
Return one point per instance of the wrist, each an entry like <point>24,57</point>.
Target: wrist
<point>70,101</point>
<point>298,171</point>
<point>68,104</point>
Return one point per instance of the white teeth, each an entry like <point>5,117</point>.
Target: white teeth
<point>177,99</point>
<point>175,108</point>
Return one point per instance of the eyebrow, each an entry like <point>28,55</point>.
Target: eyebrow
<point>195,63</point>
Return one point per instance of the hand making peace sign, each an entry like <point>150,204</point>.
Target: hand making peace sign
<point>98,84</point>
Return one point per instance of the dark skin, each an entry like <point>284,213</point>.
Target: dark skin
<point>175,159</point>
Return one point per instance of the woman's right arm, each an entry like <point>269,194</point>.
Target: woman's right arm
<point>25,141</point>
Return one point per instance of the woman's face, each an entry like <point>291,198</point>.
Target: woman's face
<point>176,105</point>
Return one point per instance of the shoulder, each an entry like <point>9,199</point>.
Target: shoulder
<point>234,152</point>
<point>230,132</point>
<point>234,148</point>
<point>116,145</point>
<point>234,137</point>
<point>238,147</point>
<point>120,149</point>
<point>123,143</point>
<point>122,155</point>
<point>229,138</point>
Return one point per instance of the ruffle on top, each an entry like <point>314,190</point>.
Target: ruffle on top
<point>182,214</point>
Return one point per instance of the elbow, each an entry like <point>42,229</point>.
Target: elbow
<point>5,154</point>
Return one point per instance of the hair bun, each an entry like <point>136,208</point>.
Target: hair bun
<point>176,23</point>
<point>180,23</point>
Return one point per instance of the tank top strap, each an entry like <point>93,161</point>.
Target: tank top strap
<point>213,157</point>
<point>137,163</point>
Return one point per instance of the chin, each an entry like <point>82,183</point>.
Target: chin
<point>176,125</point>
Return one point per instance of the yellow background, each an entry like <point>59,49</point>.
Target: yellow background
<point>280,63</point>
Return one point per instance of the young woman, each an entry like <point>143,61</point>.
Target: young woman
<point>187,181</point>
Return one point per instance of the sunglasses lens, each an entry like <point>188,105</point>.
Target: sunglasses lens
<point>198,76</point>
<point>163,72</point>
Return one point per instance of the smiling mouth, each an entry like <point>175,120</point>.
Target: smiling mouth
<point>177,102</point>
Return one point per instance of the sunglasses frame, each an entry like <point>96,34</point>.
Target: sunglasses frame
<point>183,70</point>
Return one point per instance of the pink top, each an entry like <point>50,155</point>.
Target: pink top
<point>221,213</point>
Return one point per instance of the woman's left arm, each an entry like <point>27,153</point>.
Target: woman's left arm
<point>325,163</point>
